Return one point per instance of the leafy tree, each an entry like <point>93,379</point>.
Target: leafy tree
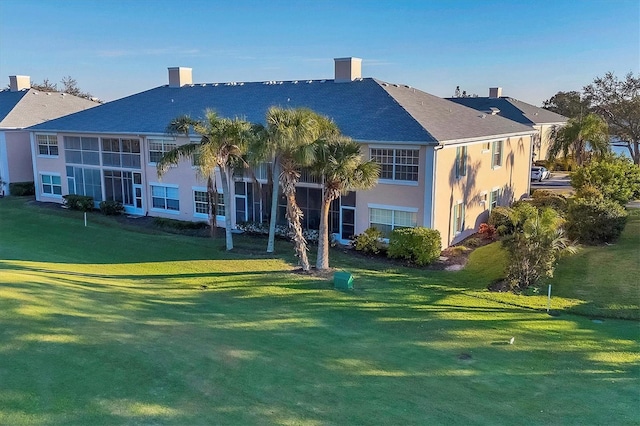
<point>570,104</point>
<point>534,248</point>
<point>45,86</point>
<point>222,143</point>
<point>588,133</point>
<point>69,86</point>
<point>618,101</point>
<point>616,177</point>
<point>340,165</point>
<point>290,137</point>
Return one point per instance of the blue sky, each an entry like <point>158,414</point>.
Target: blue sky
<point>531,49</point>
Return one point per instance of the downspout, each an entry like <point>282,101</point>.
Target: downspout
<point>36,184</point>
<point>433,182</point>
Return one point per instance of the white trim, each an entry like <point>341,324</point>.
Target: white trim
<point>169,185</point>
<point>484,138</point>
<point>40,183</point>
<point>388,207</point>
<point>397,182</point>
<point>381,146</point>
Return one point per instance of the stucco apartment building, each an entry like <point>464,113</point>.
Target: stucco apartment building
<point>21,107</point>
<point>443,165</point>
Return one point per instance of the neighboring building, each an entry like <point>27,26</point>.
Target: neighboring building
<point>444,166</point>
<point>544,121</point>
<point>21,107</point>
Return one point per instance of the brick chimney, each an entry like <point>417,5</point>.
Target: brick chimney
<point>347,69</point>
<point>179,76</point>
<point>19,82</point>
<point>495,92</point>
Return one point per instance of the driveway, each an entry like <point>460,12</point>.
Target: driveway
<point>558,182</point>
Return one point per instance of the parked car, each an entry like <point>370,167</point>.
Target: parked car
<point>539,173</point>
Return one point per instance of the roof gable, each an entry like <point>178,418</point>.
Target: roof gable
<point>28,107</point>
<point>513,109</point>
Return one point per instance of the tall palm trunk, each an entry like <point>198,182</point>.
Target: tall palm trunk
<point>212,196</point>
<point>322,261</point>
<point>227,206</point>
<point>294,217</point>
<point>275,174</point>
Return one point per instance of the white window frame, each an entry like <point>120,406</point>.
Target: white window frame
<point>494,197</point>
<point>458,215</point>
<point>198,215</point>
<point>165,186</point>
<point>462,155</point>
<point>395,164</point>
<point>494,146</point>
<point>41,184</point>
<point>164,142</point>
<point>51,141</point>
<point>394,210</point>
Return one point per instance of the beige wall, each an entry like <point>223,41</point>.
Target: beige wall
<point>512,178</point>
<point>546,130</point>
<point>17,150</point>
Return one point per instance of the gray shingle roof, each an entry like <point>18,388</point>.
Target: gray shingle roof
<point>25,108</point>
<point>365,109</point>
<point>513,109</point>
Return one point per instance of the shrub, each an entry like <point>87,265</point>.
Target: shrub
<point>544,198</point>
<point>419,245</point>
<point>473,242</point>
<point>84,203</point>
<point>533,250</point>
<point>500,219</point>
<point>615,176</point>
<point>488,232</point>
<point>20,189</point>
<point>369,241</point>
<point>282,231</point>
<point>595,221</point>
<point>589,192</point>
<point>111,208</point>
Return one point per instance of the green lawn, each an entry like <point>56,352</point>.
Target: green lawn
<point>103,325</point>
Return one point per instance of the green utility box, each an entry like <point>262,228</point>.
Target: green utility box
<point>343,280</point>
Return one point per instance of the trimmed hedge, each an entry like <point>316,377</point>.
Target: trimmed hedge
<point>111,208</point>
<point>418,245</point>
<point>83,203</point>
<point>595,221</point>
<point>368,241</point>
<point>20,189</point>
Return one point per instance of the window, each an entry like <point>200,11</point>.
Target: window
<point>461,161</point>
<point>458,218</point>
<point>165,197</point>
<point>51,184</point>
<point>159,147</point>
<point>83,181</point>
<point>397,164</point>
<point>81,150</point>
<point>386,220</point>
<point>47,145</point>
<point>495,195</point>
<point>496,154</point>
<point>121,153</point>
<point>201,203</point>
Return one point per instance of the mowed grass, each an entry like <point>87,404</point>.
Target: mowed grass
<point>599,282</point>
<point>103,325</point>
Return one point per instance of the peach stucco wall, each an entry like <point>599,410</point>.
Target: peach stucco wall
<point>512,178</point>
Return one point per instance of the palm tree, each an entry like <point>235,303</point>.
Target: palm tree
<point>290,137</point>
<point>222,143</point>
<point>581,133</point>
<point>339,164</point>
